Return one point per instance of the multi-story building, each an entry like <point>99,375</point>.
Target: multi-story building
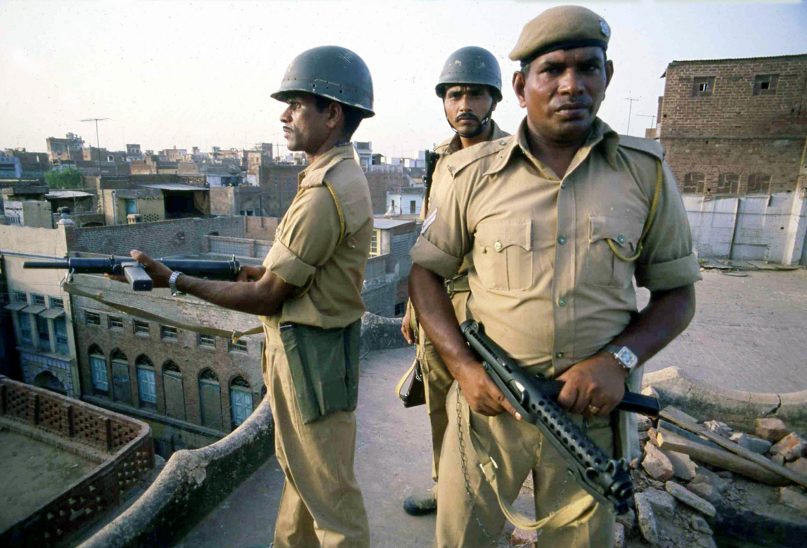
<point>67,149</point>
<point>735,134</point>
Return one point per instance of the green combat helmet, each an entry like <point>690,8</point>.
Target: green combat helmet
<point>471,65</point>
<point>333,72</point>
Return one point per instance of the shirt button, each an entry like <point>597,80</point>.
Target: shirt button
<point>558,355</point>
<point>562,302</point>
<point>561,240</point>
<point>620,238</point>
<point>498,246</point>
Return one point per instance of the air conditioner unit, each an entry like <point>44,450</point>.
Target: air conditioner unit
<point>134,218</point>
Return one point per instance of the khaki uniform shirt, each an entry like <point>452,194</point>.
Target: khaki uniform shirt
<point>323,241</point>
<point>445,149</point>
<point>544,282</point>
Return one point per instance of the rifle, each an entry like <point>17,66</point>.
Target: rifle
<point>431,164</point>
<point>607,480</point>
<point>134,272</point>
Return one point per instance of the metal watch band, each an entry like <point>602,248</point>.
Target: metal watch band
<point>624,356</point>
<point>172,283</point>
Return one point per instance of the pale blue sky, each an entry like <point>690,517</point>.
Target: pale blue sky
<point>200,73</point>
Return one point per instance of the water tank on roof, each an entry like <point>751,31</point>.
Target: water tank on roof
<point>134,218</point>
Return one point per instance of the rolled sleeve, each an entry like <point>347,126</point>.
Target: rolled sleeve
<point>667,260</point>
<point>431,257</point>
<point>307,237</point>
<point>288,266</point>
<point>670,274</point>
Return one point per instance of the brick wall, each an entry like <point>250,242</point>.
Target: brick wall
<point>735,138</point>
<point>732,109</point>
<point>163,238</point>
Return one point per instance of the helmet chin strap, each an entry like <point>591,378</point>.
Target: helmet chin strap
<point>483,125</point>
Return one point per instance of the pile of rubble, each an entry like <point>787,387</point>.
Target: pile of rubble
<point>694,480</point>
<point>707,484</point>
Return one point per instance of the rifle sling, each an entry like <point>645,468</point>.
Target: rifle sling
<point>137,312</point>
<point>567,515</point>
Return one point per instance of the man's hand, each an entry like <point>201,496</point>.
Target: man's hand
<point>409,335</point>
<point>593,387</point>
<point>249,273</point>
<point>482,394</point>
<point>159,272</point>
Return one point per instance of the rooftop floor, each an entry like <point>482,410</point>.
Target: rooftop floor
<point>33,473</point>
<point>748,334</point>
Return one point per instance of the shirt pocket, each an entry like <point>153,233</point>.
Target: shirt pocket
<point>503,254</point>
<point>602,266</point>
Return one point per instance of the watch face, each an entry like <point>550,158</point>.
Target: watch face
<point>627,357</point>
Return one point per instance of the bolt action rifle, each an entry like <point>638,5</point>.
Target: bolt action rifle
<point>431,163</point>
<point>607,480</point>
<point>134,272</point>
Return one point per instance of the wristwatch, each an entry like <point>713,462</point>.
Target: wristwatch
<point>172,283</point>
<point>623,355</point>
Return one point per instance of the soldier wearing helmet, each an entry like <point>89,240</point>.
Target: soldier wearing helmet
<point>470,86</point>
<point>308,297</point>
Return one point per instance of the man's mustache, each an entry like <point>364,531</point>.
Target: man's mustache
<point>466,116</point>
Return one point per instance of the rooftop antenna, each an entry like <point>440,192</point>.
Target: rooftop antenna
<point>97,140</point>
<point>652,119</point>
<point>630,100</point>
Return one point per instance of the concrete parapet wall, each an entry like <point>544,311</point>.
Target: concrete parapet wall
<point>191,484</point>
<point>380,333</point>
<point>736,408</point>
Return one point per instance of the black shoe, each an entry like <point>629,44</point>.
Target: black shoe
<point>420,506</point>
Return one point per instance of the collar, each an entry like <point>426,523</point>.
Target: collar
<point>314,174</point>
<point>600,135</point>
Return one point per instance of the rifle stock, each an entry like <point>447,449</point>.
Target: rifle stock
<point>606,479</point>
<point>135,274</point>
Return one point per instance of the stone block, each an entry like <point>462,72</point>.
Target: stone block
<point>790,447</point>
<point>643,424</point>
<point>650,391</point>
<point>705,490</point>
<point>771,429</point>
<point>799,465</point>
<point>628,519</point>
<point>752,443</point>
<point>719,428</point>
<point>778,459</point>
<point>793,498</point>
<point>697,523</point>
<point>646,518</point>
<point>619,535</point>
<point>705,475</point>
<point>683,466</point>
<point>656,463</point>
<point>662,502</point>
<point>690,499</point>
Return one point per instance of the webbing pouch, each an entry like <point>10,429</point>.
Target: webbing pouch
<point>324,366</point>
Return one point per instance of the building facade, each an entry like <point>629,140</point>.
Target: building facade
<point>735,135</point>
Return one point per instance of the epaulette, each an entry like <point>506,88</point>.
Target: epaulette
<point>648,146</point>
<point>468,156</point>
<point>442,148</point>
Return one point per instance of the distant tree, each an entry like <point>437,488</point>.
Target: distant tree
<point>63,178</point>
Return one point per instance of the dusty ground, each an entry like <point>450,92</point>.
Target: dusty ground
<point>32,473</point>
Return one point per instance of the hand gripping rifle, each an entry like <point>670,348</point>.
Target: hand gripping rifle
<point>606,479</point>
<point>134,272</point>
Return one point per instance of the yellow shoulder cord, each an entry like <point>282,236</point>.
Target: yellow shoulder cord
<point>133,311</point>
<point>339,212</point>
<point>651,216</point>
<point>567,515</point>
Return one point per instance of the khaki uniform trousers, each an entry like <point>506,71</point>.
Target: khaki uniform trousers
<point>437,381</point>
<point>468,512</point>
<point>321,504</point>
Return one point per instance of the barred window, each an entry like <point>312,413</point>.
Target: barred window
<point>765,84</point>
<point>727,183</point>
<point>38,299</point>
<point>20,297</point>
<point>168,333</point>
<point>100,378</point>
<point>207,341</point>
<point>141,327</point>
<point>759,183</point>
<point>91,318</point>
<point>114,322</point>
<point>237,346</point>
<point>703,86</point>
<point>693,183</point>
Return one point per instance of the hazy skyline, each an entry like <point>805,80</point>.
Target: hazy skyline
<point>200,73</point>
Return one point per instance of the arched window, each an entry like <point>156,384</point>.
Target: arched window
<point>240,401</point>
<point>48,380</point>
<point>98,372</point>
<point>759,183</point>
<point>121,385</point>
<point>146,382</point>
<point>210,400</point>
<point>727,183</point>
<point>693,183</point>
<point>174,391</point>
